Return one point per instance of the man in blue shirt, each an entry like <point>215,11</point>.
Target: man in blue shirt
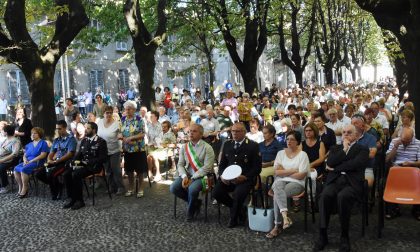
<point>131,94</point>
<point>173,113</point>
<point>367,140</point>
<point>62,150</point>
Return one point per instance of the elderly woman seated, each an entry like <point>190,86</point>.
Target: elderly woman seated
<point>291,168</point>
<point>286,127</point>
<point>161,152</point>
<point>268,149</point>
<point>34,157</point>
<point>9,151</point>
<point>255,134</point>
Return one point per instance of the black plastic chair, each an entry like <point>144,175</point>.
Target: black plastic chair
<point>304,195</point>
<point>257,188</point>
<point>92,181</point>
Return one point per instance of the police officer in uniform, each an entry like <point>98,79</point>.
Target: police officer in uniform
<point>245,153</point>
<point>88,161</point>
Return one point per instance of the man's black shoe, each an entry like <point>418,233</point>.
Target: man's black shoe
<point>198,207</point>
<point>344,244</point>
<point>320,243</point>
<point>68,205</point>
<point>77,205</point>
<point>242,215</point>
<point>190,218</point>
<point>232,223</point>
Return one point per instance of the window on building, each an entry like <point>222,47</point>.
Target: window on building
<point>123,79</point>
<point>187,80</point>
<point>172,38</point>
<point>121,46</point>
<point>58,88</point>
<point>17,86</point>
<point>96,79</point>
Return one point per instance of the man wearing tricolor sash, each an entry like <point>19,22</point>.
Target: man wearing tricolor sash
<point>196,159</point>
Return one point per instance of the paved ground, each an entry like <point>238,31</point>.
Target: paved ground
<point>147,224</point>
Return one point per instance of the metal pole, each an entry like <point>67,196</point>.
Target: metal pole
<point>67,75</point>
<point>229,70</point>
<point>63,87</point>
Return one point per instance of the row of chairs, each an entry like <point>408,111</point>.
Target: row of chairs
<point>35,185</point>
<point>306,195</point>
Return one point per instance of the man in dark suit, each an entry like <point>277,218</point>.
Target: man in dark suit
<point>344,184</point>
<point>245,153</point>
<point>89,160</point>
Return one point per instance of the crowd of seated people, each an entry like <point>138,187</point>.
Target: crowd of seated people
<point>290,134</point>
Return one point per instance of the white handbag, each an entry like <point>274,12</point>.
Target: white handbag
<point>260,219</point>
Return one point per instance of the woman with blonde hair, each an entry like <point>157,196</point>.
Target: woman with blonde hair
<point>407,121</point>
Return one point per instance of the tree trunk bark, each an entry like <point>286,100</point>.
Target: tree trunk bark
<point>210,66</point>
<point>359,72</point>
<point>400,72</point>
<point>328,75</point>
<point>413,74</point>
<point>353,74</point>
<point>40,79</point>
<point>339,74</point>
<point>249,77</point>
<point>299,77</point>
<point>145,61</point>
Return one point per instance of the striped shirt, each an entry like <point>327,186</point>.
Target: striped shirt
<point>408,153</point>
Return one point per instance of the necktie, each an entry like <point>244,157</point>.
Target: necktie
<point>237,145</point>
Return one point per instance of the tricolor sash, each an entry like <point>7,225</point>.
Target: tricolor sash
<point>192,157</point>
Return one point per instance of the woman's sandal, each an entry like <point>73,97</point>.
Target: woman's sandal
<point>287,224</point>
<point>273,234</point>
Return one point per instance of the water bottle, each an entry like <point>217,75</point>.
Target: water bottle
<point>47,170</point>
<point>206,181</point>
<point>76,164</point>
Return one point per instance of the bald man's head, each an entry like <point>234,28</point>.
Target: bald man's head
<point>407,135</point>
